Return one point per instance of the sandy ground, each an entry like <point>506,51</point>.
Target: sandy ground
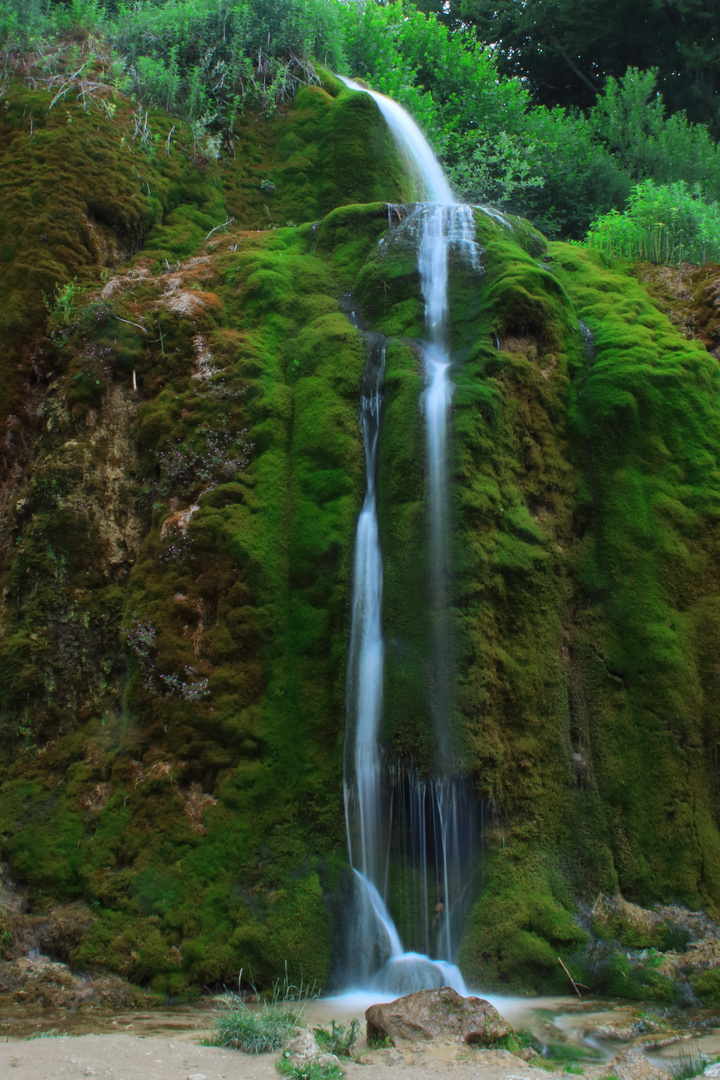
<point>127,1057</point>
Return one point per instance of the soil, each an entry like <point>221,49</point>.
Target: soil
<point>127,1057</point>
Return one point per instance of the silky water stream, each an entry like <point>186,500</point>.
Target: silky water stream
<point>428,823</point>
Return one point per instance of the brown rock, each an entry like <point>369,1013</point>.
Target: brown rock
<point>436,1014</point>
<point>627,1065</point>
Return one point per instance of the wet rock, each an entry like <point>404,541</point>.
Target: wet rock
<point>436,1014</point>
<point>627,1065</point>
<point>40,983</point>
<point>303,1051</point>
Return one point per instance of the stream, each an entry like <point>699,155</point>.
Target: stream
<point>591,1029</point>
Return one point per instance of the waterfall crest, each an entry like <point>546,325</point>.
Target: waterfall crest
<point>430,822</point>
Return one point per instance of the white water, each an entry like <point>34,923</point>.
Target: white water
<point>366,658</point>
<point>435,817</point>
<point>442,228</point>
<point>419,158</point>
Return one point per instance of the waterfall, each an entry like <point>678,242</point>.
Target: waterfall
<point>430,821</point>
<point>441,227</point>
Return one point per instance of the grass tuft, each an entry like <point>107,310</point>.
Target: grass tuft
<point>267,1025</point>
<point>686,1065</point>
<point>255,1031</point>
<point>311,1070</point>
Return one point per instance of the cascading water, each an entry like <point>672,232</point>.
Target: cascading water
<point>432,819</point>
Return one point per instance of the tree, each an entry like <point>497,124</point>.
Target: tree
<point>566,49</point>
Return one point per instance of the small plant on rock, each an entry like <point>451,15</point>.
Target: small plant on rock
<point>518,1041</point>
<point>338,1039</point>
<point>311,1070</point>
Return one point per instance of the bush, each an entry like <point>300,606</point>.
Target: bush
<point>707,986</point>
<point>664,223</point>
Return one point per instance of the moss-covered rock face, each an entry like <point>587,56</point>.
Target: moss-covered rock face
<point>183,469</point>
<point>588,512</point>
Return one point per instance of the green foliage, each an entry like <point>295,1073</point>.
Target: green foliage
<point>517,1041</point>
<point>706,985</point>
<point>256,1031</point>
<point>313,1070</point>
<point>687,1065</point>
<point>638,981</point>
<point>564,49</point>
<point>201,60</point>
<point>629,117</point>
<point>449,83</point>
<point>552,164</point>
<point>663,224</point>
<point>340,1039</point>
<point>210,61</point>
<point>63,301</point>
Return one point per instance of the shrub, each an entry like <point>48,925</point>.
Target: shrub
<point>638,982</point>
<point>664,223</point>
<point>707,986</point>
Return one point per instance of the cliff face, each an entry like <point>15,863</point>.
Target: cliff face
<point>182,474</point>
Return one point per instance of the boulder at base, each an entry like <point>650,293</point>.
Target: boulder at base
<point>436,1014</point>
<point>302,1052</point>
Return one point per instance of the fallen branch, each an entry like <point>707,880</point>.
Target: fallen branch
<point>61,93</point>
<point>224,224</point>
<point>575,985</point>
<point>133,324</point>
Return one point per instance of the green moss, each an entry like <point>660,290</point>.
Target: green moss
<point>637,981</point>
<point>520,926</point>
<point>183,775</point>
<point>644,418</point>
<point>706,985</point>
<point>388,288</point>
<point>403,527</point>
<point>361,161</point>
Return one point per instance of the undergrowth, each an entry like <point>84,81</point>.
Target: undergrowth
<point>267,1025</point>
<point>688,1064</point>
<point>311,1070</point>
<point>519,1040</point>
<point>664,223</point>
<point>338,1039</point>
